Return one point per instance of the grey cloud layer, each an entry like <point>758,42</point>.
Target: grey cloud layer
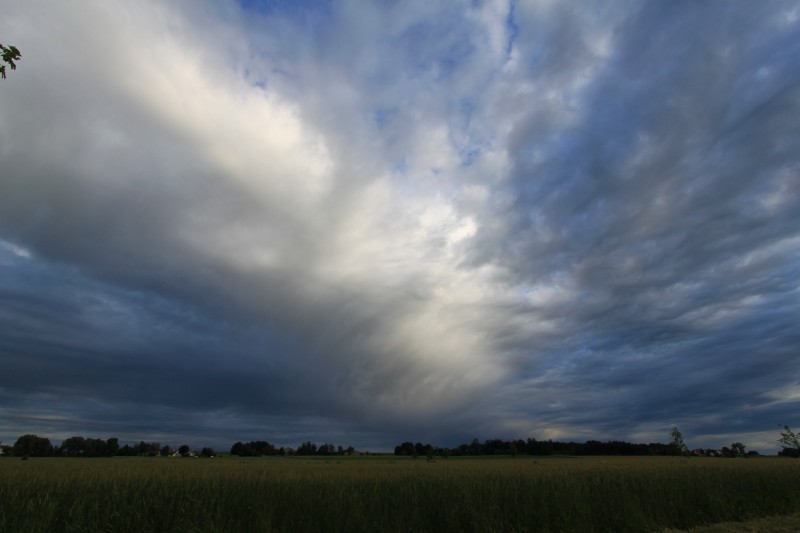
<point>528,220</point>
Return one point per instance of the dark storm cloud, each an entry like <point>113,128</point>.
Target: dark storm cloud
<point>371,224</point>
<point>666,209</point>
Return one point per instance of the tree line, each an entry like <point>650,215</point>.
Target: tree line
<point>35,446</point>
<point>262,448</point>
<point>531,446</point>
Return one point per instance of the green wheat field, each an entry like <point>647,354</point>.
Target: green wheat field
<point>388,494</point>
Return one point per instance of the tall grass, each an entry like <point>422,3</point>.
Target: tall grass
<point>384,494</point>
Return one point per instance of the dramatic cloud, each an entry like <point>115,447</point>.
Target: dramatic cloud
<point>370,223</point>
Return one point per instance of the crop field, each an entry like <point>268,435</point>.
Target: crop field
<point>386,494</point>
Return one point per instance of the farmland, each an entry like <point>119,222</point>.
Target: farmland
<point>382,493</point>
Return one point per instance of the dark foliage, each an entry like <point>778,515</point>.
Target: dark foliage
<point>535,447</point>
<point>790,442</point>
<point>88,447</point>
<point>32,446</point>
<point>253,449</point>
<point>8,54</point>
<point>263,448</point>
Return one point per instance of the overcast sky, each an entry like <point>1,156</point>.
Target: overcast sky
<point>370,222</point>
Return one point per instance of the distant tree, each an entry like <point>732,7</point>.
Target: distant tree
<point>677,446</point>
<point>85,447</point>
<point>262,447</point>
<point>407,448</point>
<point>127,451</point>
<point>147,448</point>
<point>727,452</point>
<point>141,448</point>
<point>95,447</point>
<point>475,447</point>
<point>33,446</point>
<point>112,447</point>
<point>184,450</point>
<point>790,441</point>
<point>166,451</point>
<point>9,55</point>
<point>737,448</point>
<point>326,449</point>
<point>256,448</point>
<point>495,447</point>
<point>207,452</point>
<point>75,447</point>
<point>307,448</point>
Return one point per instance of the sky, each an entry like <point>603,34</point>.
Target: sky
<point>371,222</point>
